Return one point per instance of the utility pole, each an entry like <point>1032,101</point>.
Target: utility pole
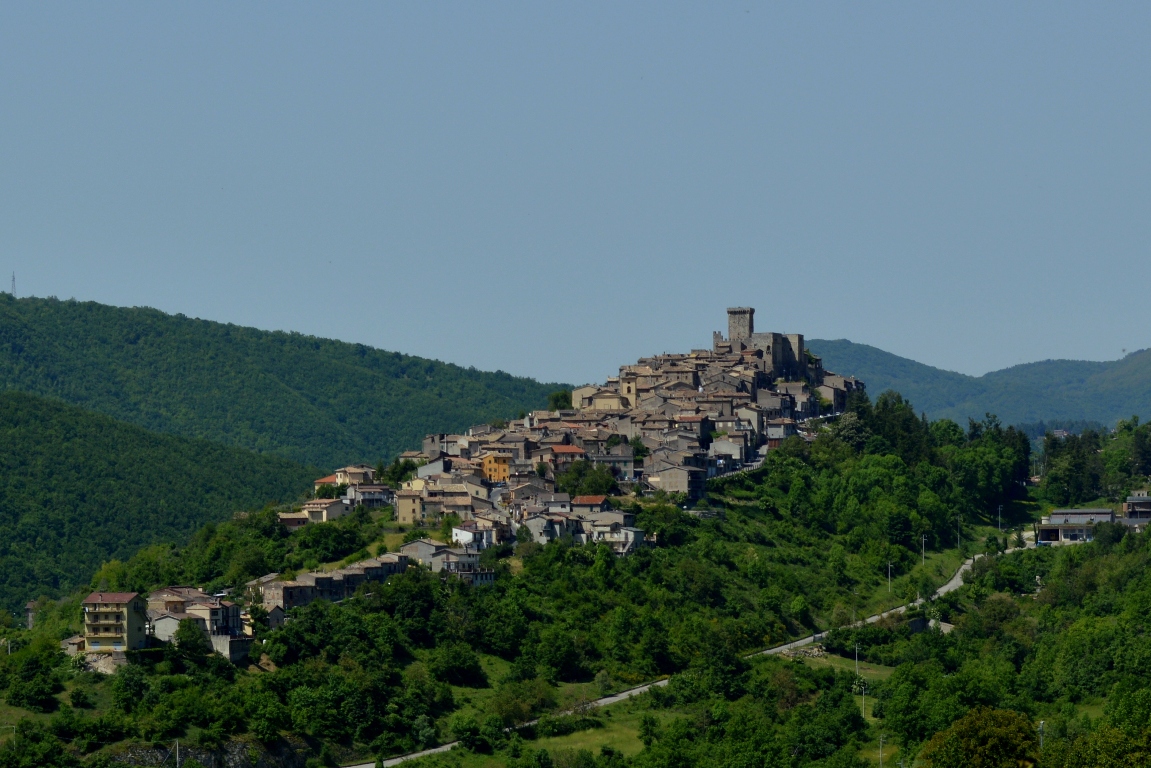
<point>880,750</point>
<point>923,548</point>
<point>1001,518</point>
<point>958,529</point>
<point>1041,735</point>
<point>857,659</point>
<point>889,577</point>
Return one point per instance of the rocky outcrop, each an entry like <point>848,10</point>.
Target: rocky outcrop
<point>237,753</point>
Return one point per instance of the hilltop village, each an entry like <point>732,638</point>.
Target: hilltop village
<point>664,425</point>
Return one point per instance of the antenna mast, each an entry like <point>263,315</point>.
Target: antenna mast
<point>13,285</point>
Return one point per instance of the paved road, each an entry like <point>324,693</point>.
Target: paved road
<point>953,584</point>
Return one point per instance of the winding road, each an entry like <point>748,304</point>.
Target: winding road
<point>953,584</point>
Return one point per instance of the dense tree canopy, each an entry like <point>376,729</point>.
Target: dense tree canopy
<point>1096,464</point>
<point>789,546</point>
<point>312,400</point>
<point>78,489</point>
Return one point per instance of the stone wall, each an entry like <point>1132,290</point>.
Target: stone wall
<point>237,753</point>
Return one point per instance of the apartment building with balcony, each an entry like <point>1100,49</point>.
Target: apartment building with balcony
<point>115,621</point>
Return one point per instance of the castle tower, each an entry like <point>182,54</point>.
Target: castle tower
<point>740,323</point>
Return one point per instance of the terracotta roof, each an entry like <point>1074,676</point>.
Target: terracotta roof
<point>589,499</point>
<point>567,449</point>
<point>110,597</point>
<point>329,480</point>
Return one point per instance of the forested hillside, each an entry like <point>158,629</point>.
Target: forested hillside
<point>1050,638</point>
<point>1050,390</point>
<point>77,489</point>
<point>309,399</point>
<point>802,543</point>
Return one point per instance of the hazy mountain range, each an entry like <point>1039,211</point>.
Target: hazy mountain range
<point>326,402</point>
<point>1044,391</point>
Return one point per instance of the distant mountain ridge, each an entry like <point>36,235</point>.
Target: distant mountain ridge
<point>313,400</point>
<point>1032,392</point>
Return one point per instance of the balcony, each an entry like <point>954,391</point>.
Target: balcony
<point>100,632</point>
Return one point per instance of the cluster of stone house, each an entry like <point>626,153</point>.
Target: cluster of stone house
<point>586,520</point>
<point>220,620</point>
<point>279,595</point>
<point>115,622</point>
<point>463,562</point>
<point>359,489</point>
<point>697,415</point>
<point>714,410</point>
<point>492,508</point>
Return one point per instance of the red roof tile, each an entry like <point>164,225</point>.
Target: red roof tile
<point>589,499</point>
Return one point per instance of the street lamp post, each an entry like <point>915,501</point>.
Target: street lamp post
<point>923,548</point>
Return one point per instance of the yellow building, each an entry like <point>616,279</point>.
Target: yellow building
<point>414,508</point>
<point>115,621</point>
<point>497,467</point>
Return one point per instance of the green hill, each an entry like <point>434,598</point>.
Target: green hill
<point>1049,390</point>
<point>312,400</point>
<point>77,489</point>
<point>855,521</point>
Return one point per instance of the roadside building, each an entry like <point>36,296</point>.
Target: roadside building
<point>1072,525</point>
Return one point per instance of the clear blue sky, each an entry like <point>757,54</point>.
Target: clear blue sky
<point>558,189</point>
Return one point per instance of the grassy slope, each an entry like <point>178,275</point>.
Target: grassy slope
<point>1051,389</point>
<point>78,488</point>
<point>309,399</point>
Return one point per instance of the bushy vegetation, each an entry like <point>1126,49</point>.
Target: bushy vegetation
<point>226,555</point>
<point>1096,464</point>
<point>78,489</point>
<point>791,544</point>
<point>584,478</point>
<point>1046,634</point>
<point>878,484</point>
<point>312,400</point>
